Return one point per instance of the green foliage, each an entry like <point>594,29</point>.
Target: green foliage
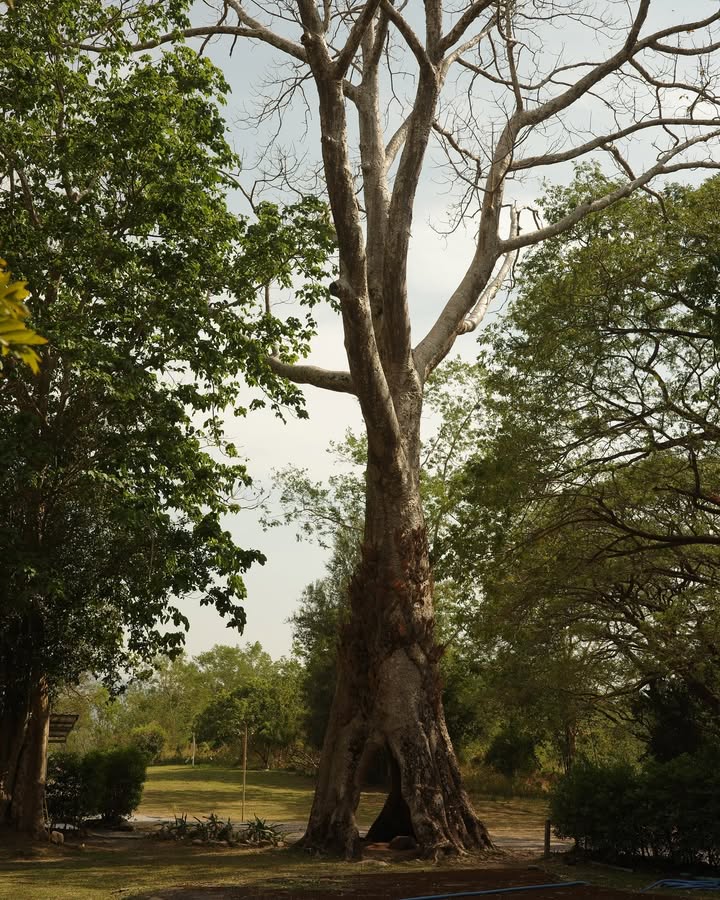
<point>316,623</point>
<point>115,780</point>
<point>16,339</point>
<point>599,807</point>
<point>258,832</point>
<point>108,783</point>
<point>149,739</point>
<point>673,720</point>
<point>484,781</point>
<point>666,810</point>
<point>583,541</point>
<point>115,474</point>
<point>66,790</point>
<point>269,707</point>
<point>157,711</point>
<point>512,751</point>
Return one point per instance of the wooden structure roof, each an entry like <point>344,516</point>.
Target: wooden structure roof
<point>61,724</point>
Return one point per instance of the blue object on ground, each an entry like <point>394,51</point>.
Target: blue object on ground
<point>505,890</point>
<point>686,884</point>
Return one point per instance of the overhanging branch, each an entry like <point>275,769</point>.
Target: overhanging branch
<point>327,379</point>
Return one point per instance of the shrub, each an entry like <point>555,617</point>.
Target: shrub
<point>66,794</point>
<point>108,783</point>
<point>668,810</point>
<point>116,779</point>
<point>682,808</point>
<point>597,806</point>
<point>151,739</point>
<point>512,752</point>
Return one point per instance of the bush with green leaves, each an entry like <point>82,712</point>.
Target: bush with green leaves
<point>598,806</point>
<point>512,751</point>
<point>150,739</point>
<point>116,778</point>
<point>667,810</point>
<point>66,794</point>
<point>106,783</point>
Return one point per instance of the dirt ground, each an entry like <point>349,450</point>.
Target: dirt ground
<point>403,886</point>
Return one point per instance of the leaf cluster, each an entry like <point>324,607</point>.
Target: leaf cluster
<point>115,473</point>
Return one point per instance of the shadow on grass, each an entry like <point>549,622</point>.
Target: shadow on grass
<point>136,867</point>
<point>146,866</point>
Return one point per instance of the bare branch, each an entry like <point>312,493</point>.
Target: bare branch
<point>549,159</point>
<point>471,14</point>
<point>327,379</point>
<point>477,314</point>
<point>585,209</point>
<point>411,39</point>
<point>360,26</point>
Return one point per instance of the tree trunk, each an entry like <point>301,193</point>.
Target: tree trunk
<point>24,789</point>
<point>14,720</point>
<point>388,690</point>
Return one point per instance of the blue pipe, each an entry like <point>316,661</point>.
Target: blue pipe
<point>507,890</point>
<point>707,884</point>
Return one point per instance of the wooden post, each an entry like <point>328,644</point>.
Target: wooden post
<point>547,839</point>
<point>193,749</point>
<point>242,814</point>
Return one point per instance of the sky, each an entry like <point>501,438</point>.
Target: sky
<point>275,588</point>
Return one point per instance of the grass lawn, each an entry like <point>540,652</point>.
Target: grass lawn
<point>70,873</point>
<point>277,796</point>
<point>140,866</point>
<point>286,797</point>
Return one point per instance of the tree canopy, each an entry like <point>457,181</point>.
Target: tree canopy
<point>589,518</point>
<point>116,477</point>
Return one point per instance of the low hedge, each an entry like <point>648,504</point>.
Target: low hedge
<point>666,811</point>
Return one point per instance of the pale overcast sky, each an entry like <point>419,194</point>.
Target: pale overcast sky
<point>273,590</point>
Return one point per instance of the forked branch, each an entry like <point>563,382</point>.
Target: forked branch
<point>478,312</point>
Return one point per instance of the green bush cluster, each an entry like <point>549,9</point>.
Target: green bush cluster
<point>666,810</point>
<point>106,783</point>
<point>151,739</point>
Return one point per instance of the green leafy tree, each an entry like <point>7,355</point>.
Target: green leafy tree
<point>316,629</point>
<point>150,739</point>
<point>171,696</point>
<point>149,291</point>
<point>590,514</point>
<point>269,705</point>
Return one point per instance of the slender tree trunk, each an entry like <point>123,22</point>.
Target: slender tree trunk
<point>388,691</point>
<point>24,798</point>
<point>13,727</point>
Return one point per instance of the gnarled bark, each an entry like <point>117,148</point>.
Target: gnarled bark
<point>388,691</point>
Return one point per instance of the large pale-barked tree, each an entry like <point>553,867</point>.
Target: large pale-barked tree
<point>502,90</point>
